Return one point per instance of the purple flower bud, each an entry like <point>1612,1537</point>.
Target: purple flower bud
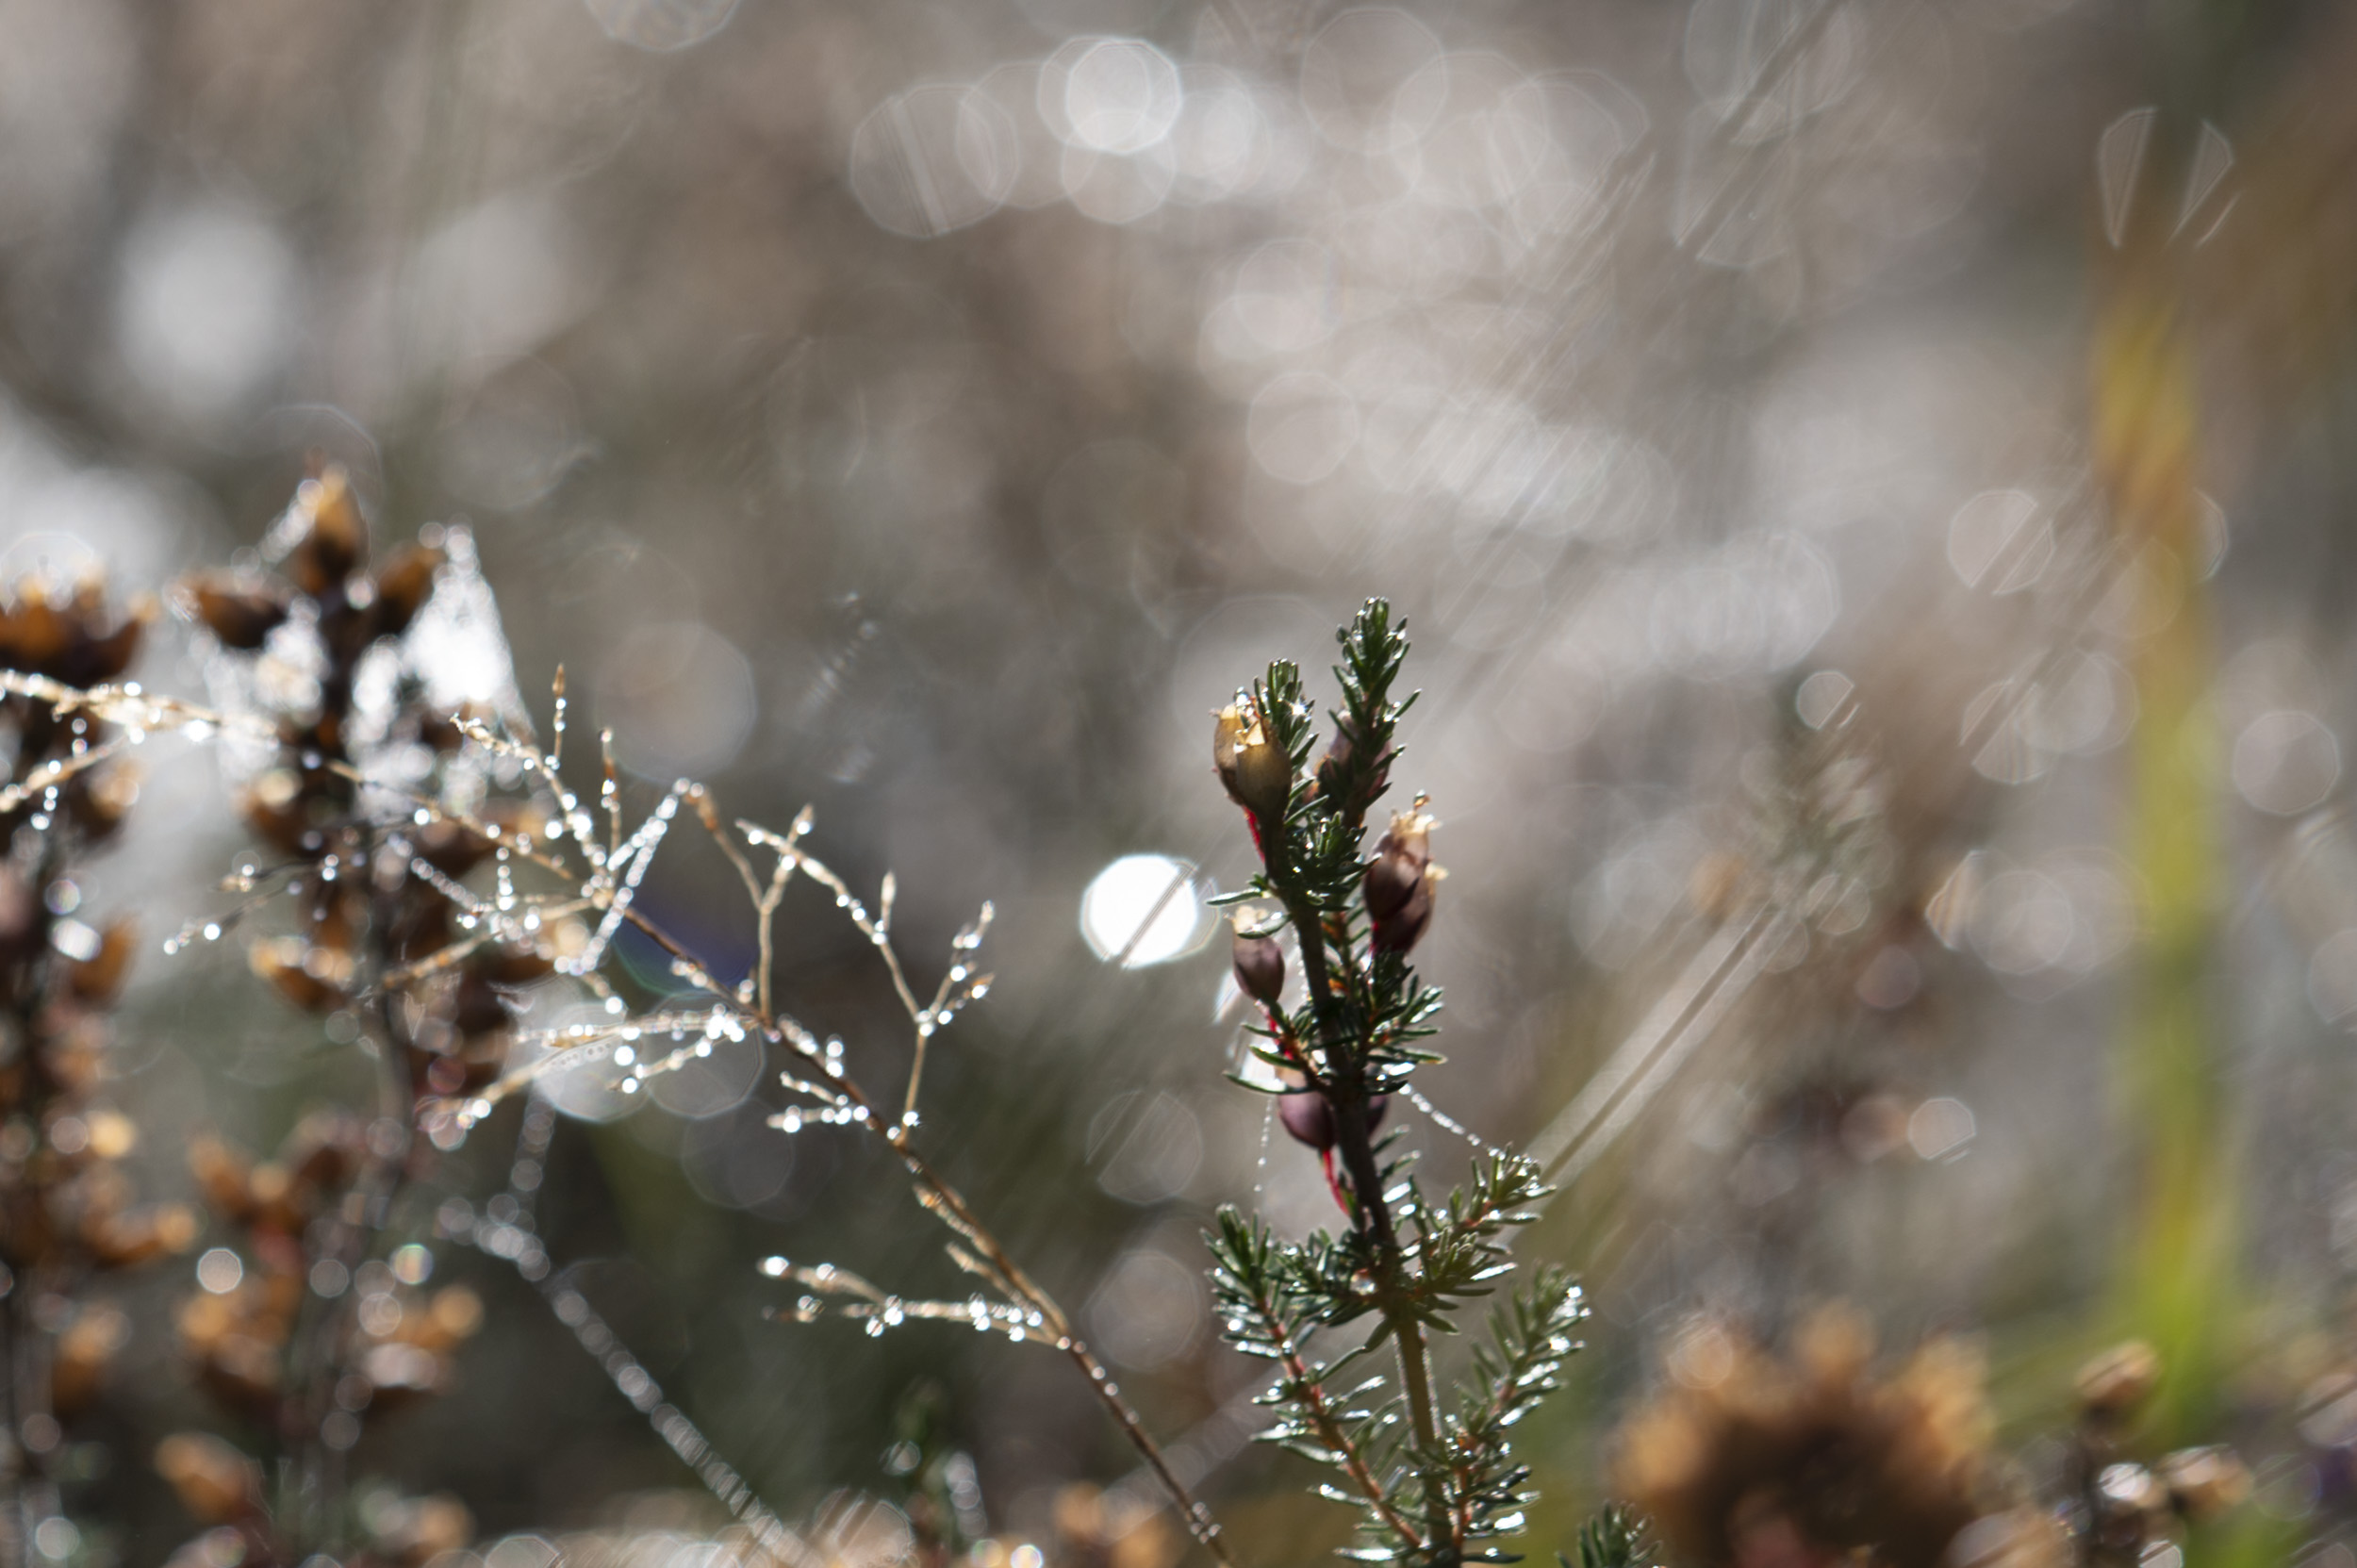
<point>1309,1117</point>
<point>1400,883</point>
<point>1402,928</point>
<point>1330,777</point>
<point>1260,966</point>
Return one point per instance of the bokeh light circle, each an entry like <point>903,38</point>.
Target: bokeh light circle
<point>661,27</point>
<point>933,160</point>
<point>1143,910</point>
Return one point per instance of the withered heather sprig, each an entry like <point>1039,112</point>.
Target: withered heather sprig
<point>317,1336</point>
<point>250,1340</point>
<point>1434,1479</point>
<point>66,1209</point>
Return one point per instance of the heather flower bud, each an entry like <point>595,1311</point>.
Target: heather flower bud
<point>419,1529</point>
<point>242,614</point>
<point>404,585</point>
<point>124,1241</point>
<point>1309,1117</point>
<point>1335,769</point>
<point>305,975</point>
<point>215,1481</point>
<point>99,798</point>
<point>2204,1483</point>
<point>1400,883</point>
<point>1401,857</point>
<point>98,978</point>
<point>1258,774</point>
<point>511,963</point>
<point>84,1350</point>
<point>94,655</point>
<point>2116,1381</point>
<point>1260,965</point>
<point>336,539</point>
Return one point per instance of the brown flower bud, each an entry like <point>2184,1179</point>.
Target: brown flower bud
<point>2114,1383</point>
<point>32,633</point>
<point>224,1177</point>
<point>510,963</point>
<point>95,655</point>
<point>450,848</point>
<point>1337,761</point>
<point>336,539</point>
<point>1260,965</point>
<point>1406,925</point>
<point>2204,1483</point>
<point>271,1197</point>
<point>215,1481</point>
<point>243,1372</point>
<point>417,1529</point>
<point>1258,774</point>
<point>278,807</point>
<point>125,1240</point>
<point>477,1008</point>
<point>240,612</point>
<point>404,585</point>
<point>305,975</point>
<point>84,1350</point>
<point>324,1151</point>
<point>98,978</point>
<point>1401,857</point>
<point>399,1373</point>
<point>100,799</point>
<point>22,928</point>
<point>1400,883</point>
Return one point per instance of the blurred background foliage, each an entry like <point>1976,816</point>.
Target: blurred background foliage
<point>1868,483</point>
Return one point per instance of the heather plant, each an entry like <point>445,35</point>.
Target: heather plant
<point>1432,1474</point>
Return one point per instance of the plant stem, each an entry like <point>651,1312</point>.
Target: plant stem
<point>1415,1377</point>
<point>1200,1522</point>
<point>947,1202</point>
<point>1347,1080</point>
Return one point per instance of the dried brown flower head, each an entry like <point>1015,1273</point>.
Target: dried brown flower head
<point>2114,1383</point>
<point>67,631</point>
<point>2204,1483</point>
<point>216,1483</point>
<point>68,1212</point>
<point>1750,1461</point>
